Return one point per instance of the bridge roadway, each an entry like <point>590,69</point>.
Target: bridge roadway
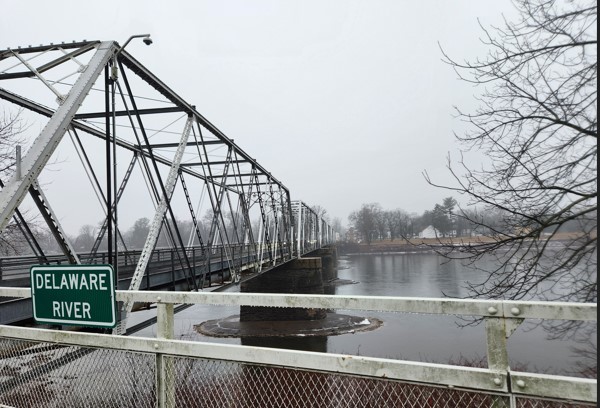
<point>164,272</point>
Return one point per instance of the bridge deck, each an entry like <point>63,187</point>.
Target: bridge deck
<point>165,272</point>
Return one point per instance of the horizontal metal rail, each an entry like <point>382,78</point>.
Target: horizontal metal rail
<point>12,268</point>
<point>468,377</point>
<point>490,379</point>
<point>465,307</point>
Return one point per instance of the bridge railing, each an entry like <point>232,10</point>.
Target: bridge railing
<point>42,367</point>
<point>223,258</point>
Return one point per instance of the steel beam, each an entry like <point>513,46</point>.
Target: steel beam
<point>45,144</point>
<point>157,221</point>
<point>152,111</point>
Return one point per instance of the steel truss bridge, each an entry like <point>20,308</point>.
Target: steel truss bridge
<point>172,161</point>
<point>137,144</point>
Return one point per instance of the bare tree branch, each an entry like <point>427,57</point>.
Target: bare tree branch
<point>537,124</point>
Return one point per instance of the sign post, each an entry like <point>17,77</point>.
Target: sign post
<point>80,295</point>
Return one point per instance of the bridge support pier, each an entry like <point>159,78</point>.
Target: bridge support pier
<point>303,327</point>
<point>329,258</point>
<point>299,276</point>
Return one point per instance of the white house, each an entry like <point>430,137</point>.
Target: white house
<point>430,232</point>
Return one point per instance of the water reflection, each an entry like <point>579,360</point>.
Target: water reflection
<point>318,344</point>
<point>419,274</point>
<point>440,338</point>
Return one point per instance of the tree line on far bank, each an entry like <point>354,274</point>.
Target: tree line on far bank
<point>446,219</point>
<point>372,222</point>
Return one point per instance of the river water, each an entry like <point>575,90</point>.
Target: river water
<point>416,337</point>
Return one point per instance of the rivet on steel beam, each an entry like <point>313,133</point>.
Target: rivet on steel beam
<point>492,310</point>
<point>158,299</point>
<point>498,381</point>
<point>515,311</point>
<point>156,346</point>
<point>520,383</point>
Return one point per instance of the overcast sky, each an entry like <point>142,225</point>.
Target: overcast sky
<point>345,102</point>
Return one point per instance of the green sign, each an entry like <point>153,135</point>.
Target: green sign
<point>81,295</point>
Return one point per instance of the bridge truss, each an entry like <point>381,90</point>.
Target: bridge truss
<point>138,144</point>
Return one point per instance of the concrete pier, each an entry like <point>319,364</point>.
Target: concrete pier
<point>328,262</point>
<point>315,275</point>
<point>302,275</point>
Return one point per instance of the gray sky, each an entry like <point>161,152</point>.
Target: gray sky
<point>345,102</point>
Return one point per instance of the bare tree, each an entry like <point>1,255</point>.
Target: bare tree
<point>85,240</point>
<point>381,223</point>
<point>138,233</point>
<point>365,220</point>
<point>397,223</point>
<point>537,123</point>
<point>11,135</point>
<point>12,238</point>
<point>321,212</point>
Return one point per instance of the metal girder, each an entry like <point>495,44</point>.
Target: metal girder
<point>192,213</point>
<point>213,163</point>
<point>42,110</point>
<point>41,150</point>
<point>28,234</point>
<point>258,183</point>
<point>263,214</point>
<point>61,238</point>
<point>157,222</point>
<point>49,65</point>
<point>65,46</point>
<point>160,212</point>
<point>157,84</point>
<point>234,185</point>
<point>218,223</point>
<point>173,145</point>
<point>236,174</point>
<point>104,226</point>
<point>151,111</point>
<point>310,228</point>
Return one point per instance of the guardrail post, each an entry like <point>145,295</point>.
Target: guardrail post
<point>165,375</point>
<point>497,354</point>
<point>172,270</point>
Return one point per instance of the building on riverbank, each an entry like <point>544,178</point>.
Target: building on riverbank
<point>430,232</point>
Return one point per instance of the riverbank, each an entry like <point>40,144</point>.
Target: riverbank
<point>387,246</point>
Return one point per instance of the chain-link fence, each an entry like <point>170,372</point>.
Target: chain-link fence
<point>49,375</point>
<point>41,374</point>
<point>546,403</point>
<point>205,383</point>
<point>64,368</point>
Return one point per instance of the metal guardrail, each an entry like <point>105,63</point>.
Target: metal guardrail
<point>182,368</point>
<point>232,256</point>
